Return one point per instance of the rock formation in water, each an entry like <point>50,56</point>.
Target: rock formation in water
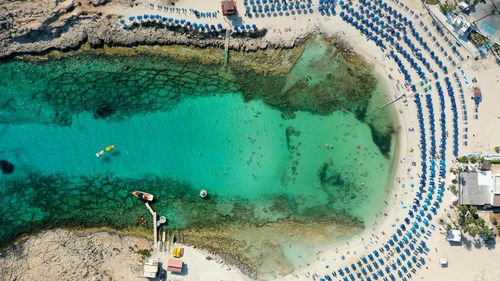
<point>65,255</point>
<point>6,167</point>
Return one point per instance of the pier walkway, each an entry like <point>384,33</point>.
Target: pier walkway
<point>155,228</point>
<point>226,47</point>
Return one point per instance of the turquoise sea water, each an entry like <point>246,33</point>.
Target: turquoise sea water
<point>177,128</point>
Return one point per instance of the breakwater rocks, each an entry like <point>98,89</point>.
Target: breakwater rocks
<point>65,255</point>
<point>29,28</point>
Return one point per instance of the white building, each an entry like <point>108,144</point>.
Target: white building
<point>479,188</point>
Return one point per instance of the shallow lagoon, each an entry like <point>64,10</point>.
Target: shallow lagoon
<point>179,128</point>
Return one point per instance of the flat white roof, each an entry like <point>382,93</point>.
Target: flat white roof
<point>476,188</point>
<point>496,183</point>
<point>484,178</point>
<point>454,235</point>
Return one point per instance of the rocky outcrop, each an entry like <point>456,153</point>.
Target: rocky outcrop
<point>63,255</point>
<point>28,28</point>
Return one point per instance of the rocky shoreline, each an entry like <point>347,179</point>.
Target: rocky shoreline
<point>71,255</point>
<point>26,28</point>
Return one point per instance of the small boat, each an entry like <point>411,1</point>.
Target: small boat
<point>107,149</point>
<point>143,195</point>
<point>100,153</point>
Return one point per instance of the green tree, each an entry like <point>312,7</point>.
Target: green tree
<point>485,231</point>
<point>453,188</point>
<point>473,231</point>
<point>473,159</point>
<point>494,220</point>
<point>472,210</point>
<point>463,209</point>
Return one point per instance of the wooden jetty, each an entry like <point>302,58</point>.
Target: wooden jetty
<point>155,229</point>
<point>226,47</point>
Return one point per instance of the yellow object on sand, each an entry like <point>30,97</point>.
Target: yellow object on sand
<point>177,252</point>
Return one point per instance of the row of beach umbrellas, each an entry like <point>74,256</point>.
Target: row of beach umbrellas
<point>141,19</point>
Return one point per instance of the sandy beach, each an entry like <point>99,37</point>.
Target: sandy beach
<point>476,262</point>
